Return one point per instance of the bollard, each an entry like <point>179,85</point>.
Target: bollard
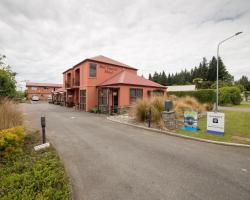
<point>43,124</point>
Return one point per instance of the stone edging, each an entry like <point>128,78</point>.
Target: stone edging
<point>180,135</point>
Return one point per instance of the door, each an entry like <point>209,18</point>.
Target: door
<point>115,100</point>
<point>83,100</point>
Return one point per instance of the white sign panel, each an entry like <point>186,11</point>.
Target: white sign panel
<point>215,123</point>
<point>42,146</point>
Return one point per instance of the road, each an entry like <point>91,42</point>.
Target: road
<point>111,161</point>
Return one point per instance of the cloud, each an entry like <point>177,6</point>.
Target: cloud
<point>41,40</point>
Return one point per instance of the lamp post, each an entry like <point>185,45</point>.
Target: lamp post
<point>217,71</point>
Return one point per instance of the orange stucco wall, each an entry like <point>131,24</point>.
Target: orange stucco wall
<point>103,72</point>
<point>40,91</point>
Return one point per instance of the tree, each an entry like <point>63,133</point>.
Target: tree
<point>7,79</point>
<point>244,82</point>
<point>149,77</point>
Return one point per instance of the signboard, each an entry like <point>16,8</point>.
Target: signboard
<point>42,146</point>
<point>190,121</point>
<point>215,123</point>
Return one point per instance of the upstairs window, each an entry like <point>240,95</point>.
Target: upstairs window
<point>33,88</point>
<point>135,94</point>
<point>46,88</point>
<point>92,70</point>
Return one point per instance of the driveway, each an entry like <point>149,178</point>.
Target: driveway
<point>111,161</point>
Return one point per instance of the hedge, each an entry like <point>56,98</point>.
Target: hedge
<point>203,96</point>
<point>229,95</point>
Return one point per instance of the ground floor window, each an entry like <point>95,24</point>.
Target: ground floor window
<point>135,93</point>
<point>83,100</point>
<point>157,93</point>
<point>103,96</point>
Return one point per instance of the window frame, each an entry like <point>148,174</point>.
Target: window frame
<point>91,65</point>
<point>133,99</point>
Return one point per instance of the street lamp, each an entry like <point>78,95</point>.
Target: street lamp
<point>217,75</point>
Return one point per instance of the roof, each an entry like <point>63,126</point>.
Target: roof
<point>181,88</point>
<point>59,90</point>
<point>43,84</point>
<point>103,59</point>
<point>128,78</point>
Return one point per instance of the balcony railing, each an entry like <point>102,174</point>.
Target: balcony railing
<point>76,83</point>
<point>68,84</point>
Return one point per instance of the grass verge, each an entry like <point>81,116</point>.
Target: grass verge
<point>33,175</point>
<point>237,128</point>
<point>243,104</point>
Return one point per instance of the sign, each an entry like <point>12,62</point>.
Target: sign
<point>190,121</point>
<point>215,123</point>
<point>108,69</point>
<point>41,146</point>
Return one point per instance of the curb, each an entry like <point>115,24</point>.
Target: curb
<point>180,135</point>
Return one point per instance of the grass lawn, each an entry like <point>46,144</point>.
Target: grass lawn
<point>243,104</point>
<point>33,175</point>
<point>237,128</point>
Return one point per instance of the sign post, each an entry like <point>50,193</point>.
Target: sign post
<point>215,123</point>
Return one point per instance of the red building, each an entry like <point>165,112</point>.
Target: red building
<point>104,83</point>
<point>41,90</point>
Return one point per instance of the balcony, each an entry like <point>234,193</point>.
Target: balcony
<point>68,84</point>
<point>76,83</point>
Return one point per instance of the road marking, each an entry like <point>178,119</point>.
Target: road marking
<point>73,117</point>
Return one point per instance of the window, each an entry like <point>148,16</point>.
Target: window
<point>92,70</point>
<point>135,94</point>
<point>33,88</point>
<point>158,93</point>
<point>103,95</point>
<point>46,88</point>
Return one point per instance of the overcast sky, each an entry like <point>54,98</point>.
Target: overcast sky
<point>42,38</point>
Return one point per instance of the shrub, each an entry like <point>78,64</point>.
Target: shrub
<point>141,108</point>
<point>203,96</point>
<point>229,95</point>
<point>11,140</point>
<point>10,116</point>
<point>93,110</point>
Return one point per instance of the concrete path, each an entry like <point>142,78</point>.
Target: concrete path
<point>234,109</point>
<point>111,161</point>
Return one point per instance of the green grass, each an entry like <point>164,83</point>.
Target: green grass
<point>33,175</point>
<point>243,104</point>
<point>236,124</point>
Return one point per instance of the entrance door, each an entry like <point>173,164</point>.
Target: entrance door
<point>115,100</point>
<point>83,100</point>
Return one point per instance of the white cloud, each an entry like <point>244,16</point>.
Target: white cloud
<point>41,39</point>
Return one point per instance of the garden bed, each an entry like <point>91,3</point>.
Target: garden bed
<point>27,174</point>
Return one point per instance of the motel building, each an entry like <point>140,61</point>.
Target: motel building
<point>106,84</point>
<point>41,90</point>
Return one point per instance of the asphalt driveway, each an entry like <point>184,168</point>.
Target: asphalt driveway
<point>110,161</point>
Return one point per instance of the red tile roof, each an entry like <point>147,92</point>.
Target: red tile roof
<point>128,78</point>
<point>59,90</point>
<point>43,84</point>
<point>103,59</point>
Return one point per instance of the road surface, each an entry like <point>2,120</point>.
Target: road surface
<point>111,161</point>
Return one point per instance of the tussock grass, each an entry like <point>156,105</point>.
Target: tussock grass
<point>156,104</point>
<point>10,116</point>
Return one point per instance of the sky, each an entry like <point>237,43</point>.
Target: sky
<point>41,39</point>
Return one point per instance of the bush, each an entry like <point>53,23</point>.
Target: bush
<point>203,96</point>
<point>10,116</point>
<point>93,110</point>
<point>141,108</point>
<point>33,175</point>
<point>11,140</point>
<point>229,95</point>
